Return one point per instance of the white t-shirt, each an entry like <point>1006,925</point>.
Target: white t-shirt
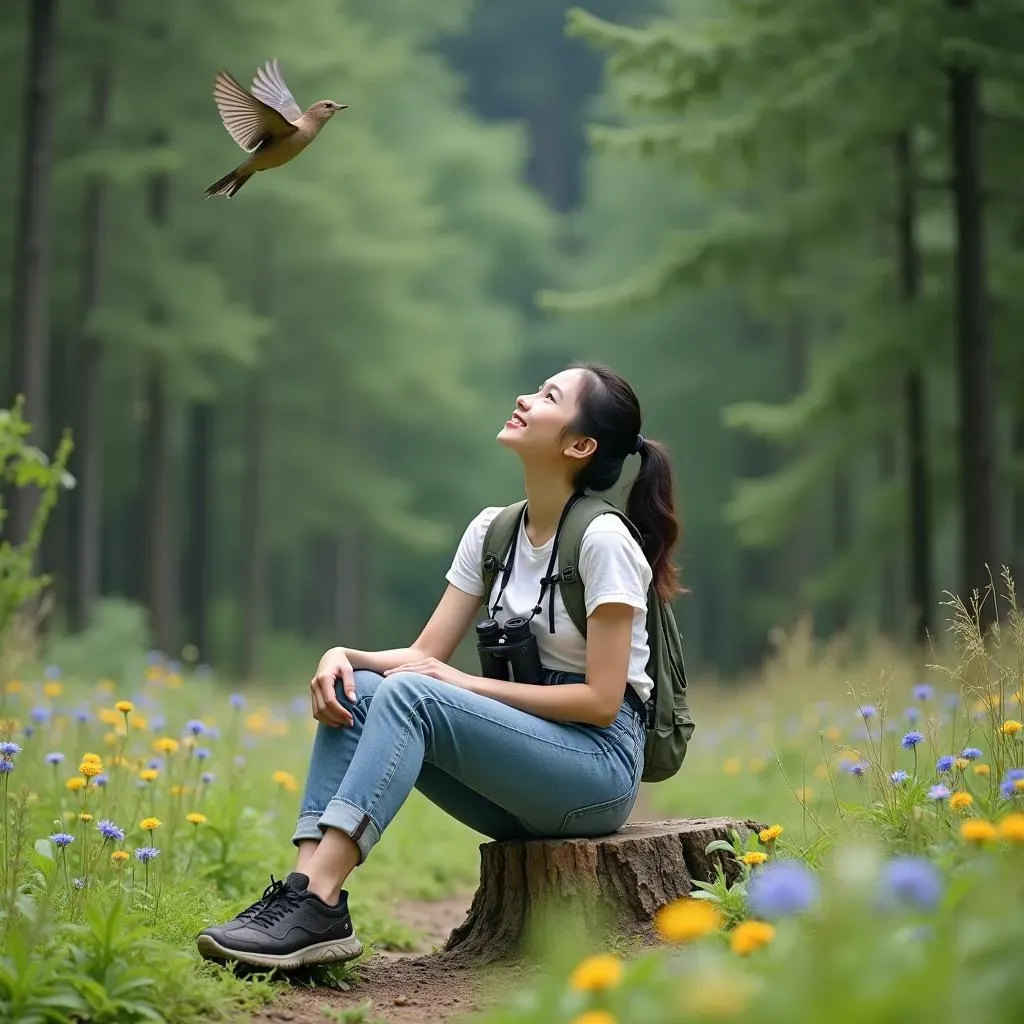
<point>613,569</point>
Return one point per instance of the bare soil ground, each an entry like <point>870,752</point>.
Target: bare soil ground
<point>413,987</point>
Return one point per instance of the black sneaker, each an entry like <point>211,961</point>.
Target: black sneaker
<point>245,916</point>
<point>293,928</point>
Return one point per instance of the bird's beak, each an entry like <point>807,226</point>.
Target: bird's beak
<point>343,106</point>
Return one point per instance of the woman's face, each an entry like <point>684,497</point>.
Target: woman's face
<point>538,424</point>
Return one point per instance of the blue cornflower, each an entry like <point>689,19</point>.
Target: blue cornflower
<point>782,887</point>
<point>6,766</point>
<point>912,715</point>
<point>213,732</point>
<point>207,777</point>
<point>924,691</point>
<point>78,883</point>
<point>867,711</point>
<point>62,839</point>
<point>52,672</point>
<point>82,715</point>
<point>110,831</point>
<point>951,701</point>
<point>8,749</point>
<point>913,881</point>
<point>1008,787</point>
<point>101,780</point>
<point>195,727</point>
<point>971,753</point>
<point>858,768</point>
<point>55,758</point>
<point>157,722</point>
<point>144,854</point>
<point>155,762</point>
<point>898,777</point>
<point>945,763</point>
<point>39,714</point>
<point>29,731</point>
<point>175,667</point>
<point>239,761</point>
<point>938,792</point>
<point>911,739</point>
<point>154,657</point>
<point>202,753</point>
<point>237,701</point>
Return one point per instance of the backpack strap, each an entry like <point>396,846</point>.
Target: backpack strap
<point>497,541</point>
<point>582,514</point>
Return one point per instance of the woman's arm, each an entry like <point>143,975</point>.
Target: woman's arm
<point>440,636</point>
<point>595,702</point>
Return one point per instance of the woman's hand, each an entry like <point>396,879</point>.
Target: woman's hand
<point>326,706</point>
<point>436,670</point>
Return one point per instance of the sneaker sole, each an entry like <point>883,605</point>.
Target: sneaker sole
<point>332,952</point>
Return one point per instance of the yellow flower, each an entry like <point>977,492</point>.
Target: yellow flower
<point>832,734</point>
<point>148,774</point>
<point>285,780</point>
<point>105,686</point>
<point>715,994</point>
<point>754,857</point>
<point>91,757</point>
<point>108,716</point>
<point>974,830</point>
<point>195,818</point>
<point>173,680</point>
<point>686,919</point>
<point>126,707</point>
<point>602,971</point>
<point>119,857</point>
<point>756,765</point>
<point>750,935</point>
<point>177,790</point>
<point>732,766</point>
<point>53,689</point>
<point>148,824</point>
<point>961,763</point>
<point>138,722</point>
<point>75,783</point>
<point>595,1017</point>
<point>166,745</point>
<point>982,769</point>
<point>1011,727</point>
<point>960,801</point>
<point>770,834</point>
<point>15,686</point>
<point>85,816</point>
<point>154,673</point>
<point>1011,828</point>
<point>821,772</point>
<point>90,768</point>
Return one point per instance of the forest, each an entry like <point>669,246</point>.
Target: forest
<point>797,228</point>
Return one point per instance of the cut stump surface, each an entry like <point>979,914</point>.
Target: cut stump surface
<point>615,882</point>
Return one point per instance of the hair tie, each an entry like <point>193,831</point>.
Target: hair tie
<point>639,446</point>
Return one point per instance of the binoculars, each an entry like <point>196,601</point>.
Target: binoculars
<point>509,650</point>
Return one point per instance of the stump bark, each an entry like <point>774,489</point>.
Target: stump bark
<point>607,883</point>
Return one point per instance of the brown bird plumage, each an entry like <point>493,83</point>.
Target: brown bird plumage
<point>266,122</point>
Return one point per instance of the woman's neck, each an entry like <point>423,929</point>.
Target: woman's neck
<point>546,495</point>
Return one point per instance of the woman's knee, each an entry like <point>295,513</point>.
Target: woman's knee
<point>367,684</point>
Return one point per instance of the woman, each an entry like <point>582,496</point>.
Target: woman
<point>510,759</point>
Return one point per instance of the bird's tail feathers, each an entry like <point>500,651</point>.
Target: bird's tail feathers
<point>228,185</point>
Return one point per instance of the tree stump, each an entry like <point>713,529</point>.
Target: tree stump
<point>613,883</point>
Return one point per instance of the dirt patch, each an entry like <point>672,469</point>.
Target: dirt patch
<point>403,988</point>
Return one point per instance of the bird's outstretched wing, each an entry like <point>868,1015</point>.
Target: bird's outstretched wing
<point>268,86</point>
<point>247,119</point>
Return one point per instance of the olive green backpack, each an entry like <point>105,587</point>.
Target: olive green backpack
<point>669,725</point>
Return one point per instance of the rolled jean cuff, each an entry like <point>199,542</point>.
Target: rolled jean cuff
<point>306,827</point>
<point>354,822</point>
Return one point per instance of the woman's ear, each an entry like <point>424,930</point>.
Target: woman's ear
<point>581,448</point>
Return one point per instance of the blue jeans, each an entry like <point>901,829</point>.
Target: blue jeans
<point>503,772</point>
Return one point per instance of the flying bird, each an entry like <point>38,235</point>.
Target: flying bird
<point>266,122</point>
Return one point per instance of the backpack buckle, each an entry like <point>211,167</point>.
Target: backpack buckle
<point>493,564</point>
<point>569,574</point>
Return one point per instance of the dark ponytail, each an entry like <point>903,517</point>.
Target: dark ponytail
<point>610,413</point>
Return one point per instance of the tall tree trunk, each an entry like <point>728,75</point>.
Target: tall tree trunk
<point>977,404</point>
<point>798,557</point>
<point>30,339</point>
<point>197,552</point>
<point>156,476</point>
<point>842,538</point>
<point>87,498</point>
<point>889,582</point>
<point>253,510</point>
<point>919,549</point>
